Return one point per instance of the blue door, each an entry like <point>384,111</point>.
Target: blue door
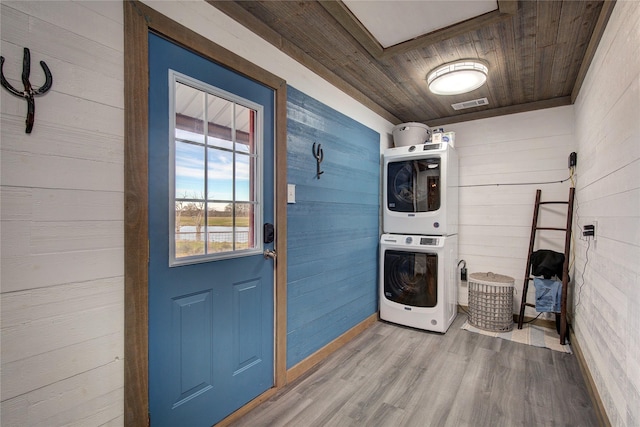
<point>211,289</point>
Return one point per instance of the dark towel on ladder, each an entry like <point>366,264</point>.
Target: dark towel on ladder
<point>547,263</point>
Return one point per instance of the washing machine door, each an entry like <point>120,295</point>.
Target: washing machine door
<point>414,185</point>
<point>411,278</point>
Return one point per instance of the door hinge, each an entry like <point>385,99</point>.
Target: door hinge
<point>148,250</point>
<point>149,420</point>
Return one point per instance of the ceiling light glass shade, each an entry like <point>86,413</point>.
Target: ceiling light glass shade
<point>457,77</point>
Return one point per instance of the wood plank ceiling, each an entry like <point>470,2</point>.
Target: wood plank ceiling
<point>538,53</point>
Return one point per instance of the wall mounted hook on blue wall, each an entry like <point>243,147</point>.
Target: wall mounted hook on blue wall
<point>319,155</point>
<point>29,92</point>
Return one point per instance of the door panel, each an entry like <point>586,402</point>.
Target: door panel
<point>192,342</point>
<point>246,329</point>
<point>211,322</point>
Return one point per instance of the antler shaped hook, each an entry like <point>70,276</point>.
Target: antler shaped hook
<point>29,92</point>
<point>319,155</point>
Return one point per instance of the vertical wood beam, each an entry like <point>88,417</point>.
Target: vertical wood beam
<point>601,24</point>
<point>136,78</point>
<point>281,236</point>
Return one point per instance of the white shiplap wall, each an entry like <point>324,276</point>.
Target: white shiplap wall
<point>62,210</point>
<point>607,318</point>
<point>495,220</point>
<point>62,217</point>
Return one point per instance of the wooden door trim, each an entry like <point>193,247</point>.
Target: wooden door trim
<point>139,20</point>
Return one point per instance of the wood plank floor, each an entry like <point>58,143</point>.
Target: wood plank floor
<point>396,376</point>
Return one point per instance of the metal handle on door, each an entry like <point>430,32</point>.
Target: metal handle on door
<point>270,253</point>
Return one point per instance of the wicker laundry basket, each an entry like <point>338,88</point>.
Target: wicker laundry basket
<point>491,301</point>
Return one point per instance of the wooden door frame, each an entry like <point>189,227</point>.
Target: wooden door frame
<point>139,20</point>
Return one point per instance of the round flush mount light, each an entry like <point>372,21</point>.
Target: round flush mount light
<point>457,77</point>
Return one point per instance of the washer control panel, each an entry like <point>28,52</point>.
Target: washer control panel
<point>429,241</point>
<point>413,240</point>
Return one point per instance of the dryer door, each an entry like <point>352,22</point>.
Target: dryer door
<point>411,278</point>
<point>414,185</point>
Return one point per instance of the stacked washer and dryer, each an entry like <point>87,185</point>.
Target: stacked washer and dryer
<point>419,247</point>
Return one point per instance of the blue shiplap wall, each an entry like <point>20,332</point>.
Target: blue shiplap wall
<point>333,226</point>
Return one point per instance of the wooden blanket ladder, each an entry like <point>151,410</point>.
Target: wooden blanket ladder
<point>561,317</point>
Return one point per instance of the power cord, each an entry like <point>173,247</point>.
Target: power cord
<point>535,318</point>
<point>586,254</point>
<point>515,183</point>
<point>586,261</point>
<point>572,261</point>
<point>462,308</point>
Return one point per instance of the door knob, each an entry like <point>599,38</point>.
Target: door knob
<point>270,253</point>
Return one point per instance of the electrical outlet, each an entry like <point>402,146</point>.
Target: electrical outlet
<point>589,231</point>
<point>573,159</point>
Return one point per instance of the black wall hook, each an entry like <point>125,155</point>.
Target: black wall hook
<point>319,155</point>
<point>29,92</point>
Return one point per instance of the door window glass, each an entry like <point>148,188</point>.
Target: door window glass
<point>414,185</point>
<point>216,140</point>
<point>411,278</point>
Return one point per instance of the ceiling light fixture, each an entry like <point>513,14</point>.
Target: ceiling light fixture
<point>457,77</point>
